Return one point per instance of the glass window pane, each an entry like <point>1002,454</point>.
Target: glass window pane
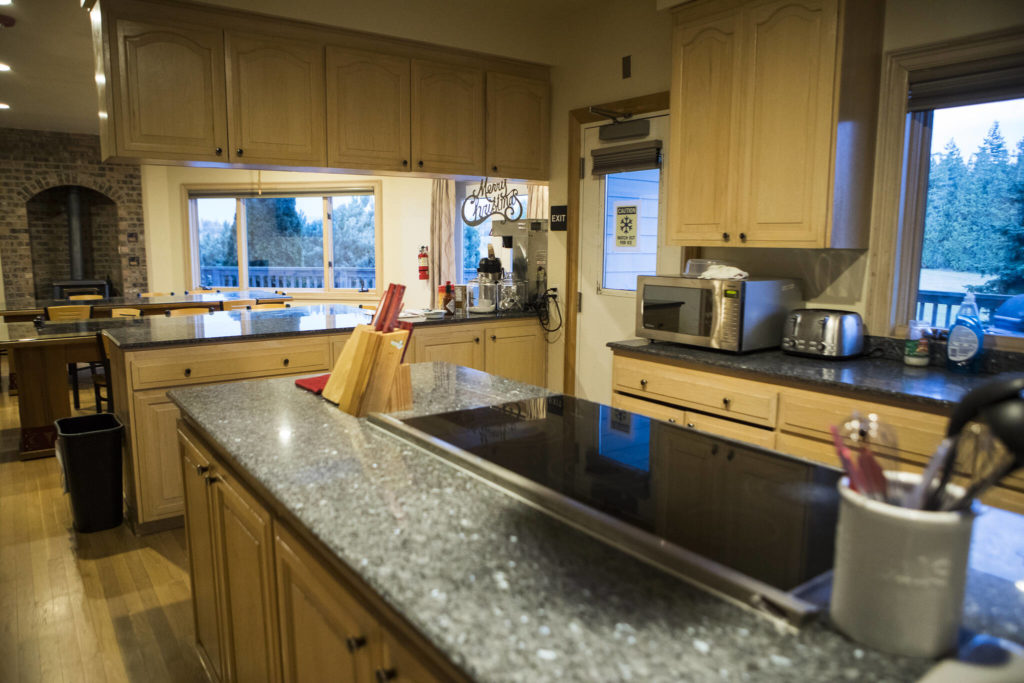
<point>355,249</point>
<point>285,240</point>
<point>218,242</point>
<point>632,249</point>
<point>471,240</point>
<point>972,235</point>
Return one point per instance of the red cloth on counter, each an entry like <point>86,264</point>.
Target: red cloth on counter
<point>314,384</point>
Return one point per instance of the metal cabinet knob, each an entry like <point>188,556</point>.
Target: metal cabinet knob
<point>405,162</point>
<point>384,675</point>
<point>743,237</point>
<point>238,151</point>
<point>188,372</point>
<point>212,479</point>
<point>286,362</point>
<point>690,425</point>
<point>218,151</point>
<point>354,643</point>
<point>725,237</point>
<point>476,340</point>
<point>494,337</point>
<point>494,169</point>
<point>420,163</point>
<point>726,402</point>
<point>201,469</point>
<point>672,420</point>
<point>643,383</point>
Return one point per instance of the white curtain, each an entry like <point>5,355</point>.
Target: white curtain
<point>537,205</point>
<point>442,236</point>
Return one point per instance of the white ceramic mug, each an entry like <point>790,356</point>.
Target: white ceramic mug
<point>899,576</point>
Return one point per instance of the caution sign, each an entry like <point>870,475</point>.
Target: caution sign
<point>627,217</point>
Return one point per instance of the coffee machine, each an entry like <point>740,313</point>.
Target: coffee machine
<point>528,240</point>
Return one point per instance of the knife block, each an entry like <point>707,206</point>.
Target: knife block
<point>369,375</point>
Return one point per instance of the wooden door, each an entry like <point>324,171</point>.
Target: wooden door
<point>276,111</point>
<point>458,345</point>
<point>786,122</point>
<point>156,453</point>
<point>325,635</point>
<point>702,145</point>
<point>199,534</point>
<point>447,118</point>
<point>243,543</point>
<point>367,110</point>
<point>518,122</point>
<point>169,95</point>
<point>517,353</point>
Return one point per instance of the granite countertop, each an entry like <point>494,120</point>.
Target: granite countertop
<point>197,296</point>
<point>874,377</point>
<point>219,326</point>
<point>506,592</point>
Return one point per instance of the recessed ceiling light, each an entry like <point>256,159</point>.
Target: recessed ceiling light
<point>4,105</point>
<point>4,67</point>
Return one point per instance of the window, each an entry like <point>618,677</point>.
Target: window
<point>948,213</point>
<point>973,236</point>
<point>471,240</point>
<point>630,206</point>
<point>278,240</point>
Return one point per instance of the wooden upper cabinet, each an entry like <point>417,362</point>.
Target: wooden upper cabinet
<point>774,106</point>
<point>447,118</point>
<point>518,121</point>
<point>705,73</point>
<point>169,95</point>
<point>787,114</point>
<point>276,110</point>
<point>367,110</point>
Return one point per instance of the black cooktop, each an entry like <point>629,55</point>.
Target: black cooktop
<point>761,513</point>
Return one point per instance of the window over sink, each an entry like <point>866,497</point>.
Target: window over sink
<point>325,240</point>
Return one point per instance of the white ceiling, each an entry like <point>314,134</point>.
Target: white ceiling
<point>51,85</point>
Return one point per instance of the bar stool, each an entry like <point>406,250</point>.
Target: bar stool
<point>73,313</point>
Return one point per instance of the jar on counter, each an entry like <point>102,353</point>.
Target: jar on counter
<point>511,295</point>
<point>916,350</point>
<point>482,295</point>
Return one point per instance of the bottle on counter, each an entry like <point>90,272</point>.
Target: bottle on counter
<point>917,347</point>
<point>448,303</point>
<point>966,338</point>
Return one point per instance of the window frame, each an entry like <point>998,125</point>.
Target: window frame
<point>240,191</point>
<point>900,180</point>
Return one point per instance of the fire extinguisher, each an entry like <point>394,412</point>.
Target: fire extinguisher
<point>424,262</point>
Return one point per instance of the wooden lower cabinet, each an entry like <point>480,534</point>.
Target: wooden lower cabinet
<point>515,349</point>
<point>458,345</point>
<point>267,607</point>
<point>158,491</point>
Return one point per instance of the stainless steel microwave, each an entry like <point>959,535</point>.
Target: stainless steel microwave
<point>732,315</point>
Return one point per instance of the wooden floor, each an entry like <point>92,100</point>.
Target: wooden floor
<point>106,606</point>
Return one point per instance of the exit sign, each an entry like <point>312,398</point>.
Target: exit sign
<point>559,217</point>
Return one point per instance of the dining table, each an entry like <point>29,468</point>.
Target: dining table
<point>40,352</point>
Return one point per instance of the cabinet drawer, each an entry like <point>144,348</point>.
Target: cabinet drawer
<point>812,414</point>
<point>735,398</point>
<point>731,430</point>
<point>191,365</point>
<point>648,409</point>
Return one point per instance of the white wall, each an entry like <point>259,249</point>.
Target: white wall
<point>405,207</point>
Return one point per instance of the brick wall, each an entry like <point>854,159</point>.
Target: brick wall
<point>32,162</point>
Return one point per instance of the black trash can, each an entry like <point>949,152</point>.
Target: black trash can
<point>89,448</point>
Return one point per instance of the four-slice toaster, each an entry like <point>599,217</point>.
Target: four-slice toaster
<point>823,333</point>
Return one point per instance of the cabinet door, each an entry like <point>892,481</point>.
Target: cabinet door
<point>447,118</point>
<point>170,98</point>
<point>517,353</point>
<point>275,100</point>
<point>325,635</point>
<point>156,448</point>
<point>518,119</point>
<point>702,148</point>
<point>199,534</point>
<point>458,345</point>
<point>786,122</point>
<point>399,665</point>
<point>367,110</point>
<point>243,543</point>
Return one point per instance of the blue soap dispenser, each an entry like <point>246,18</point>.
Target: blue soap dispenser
<point>966,338</point>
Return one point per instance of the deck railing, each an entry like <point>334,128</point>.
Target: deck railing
<point>939,309</point>
<point>275,277</point>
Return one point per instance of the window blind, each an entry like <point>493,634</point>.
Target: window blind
<point>638,156</point>
<point>986,80</point>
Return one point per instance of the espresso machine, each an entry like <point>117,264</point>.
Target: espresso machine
<point>528,241</point>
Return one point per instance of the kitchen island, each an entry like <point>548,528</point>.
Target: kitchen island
<point>475,583</point>
<point>151,355</point>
